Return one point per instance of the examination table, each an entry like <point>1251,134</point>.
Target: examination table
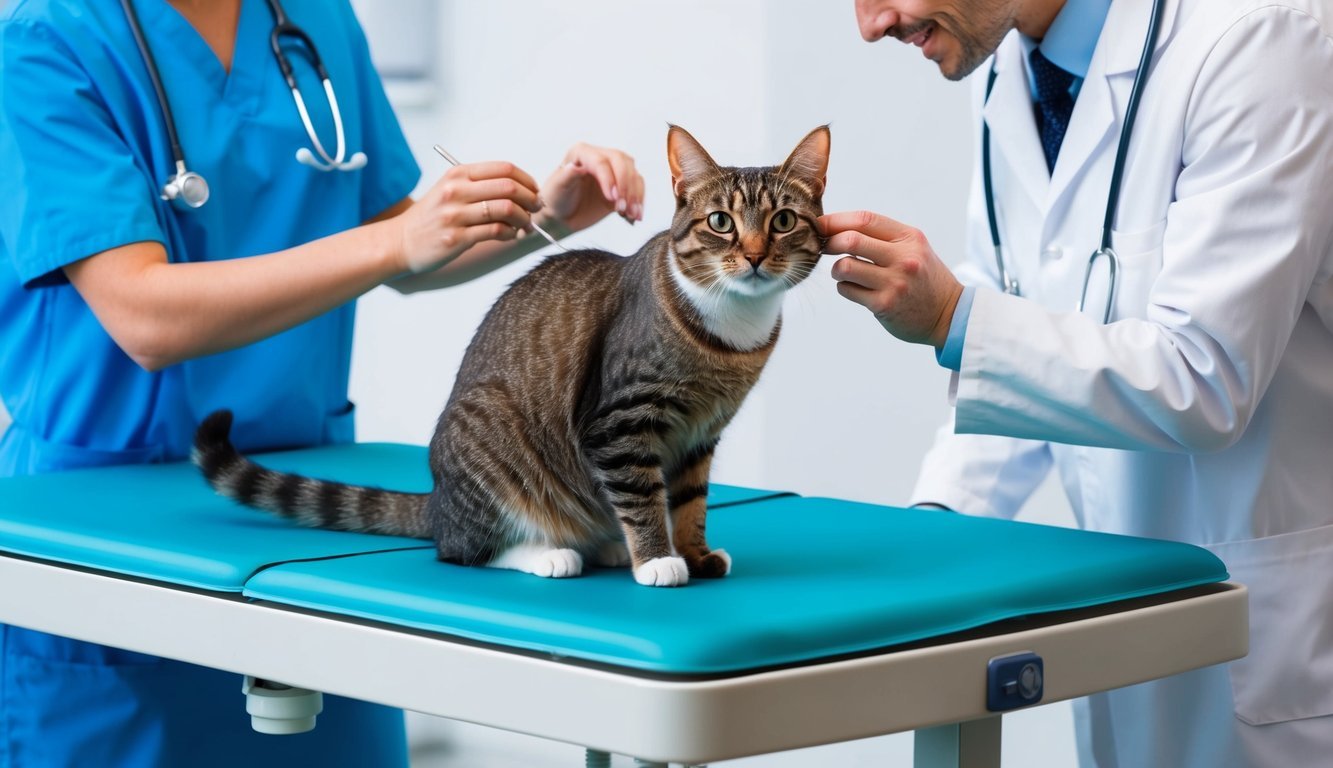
<point>839,621</point>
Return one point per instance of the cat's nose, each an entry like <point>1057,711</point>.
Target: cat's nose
<point>755,259</point>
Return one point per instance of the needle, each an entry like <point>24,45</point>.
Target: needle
<point>454,161</point>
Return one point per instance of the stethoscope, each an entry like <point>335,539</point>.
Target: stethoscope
<point>1007,281</point>
<point>188,186</point>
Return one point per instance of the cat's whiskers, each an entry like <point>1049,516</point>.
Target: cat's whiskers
<point>716,293</point>
<point>793,279</point>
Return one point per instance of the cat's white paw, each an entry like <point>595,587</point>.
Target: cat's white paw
<point>540,561</point>
<point>558,564</point>
<point>613,554</point>
<point>663,572</point>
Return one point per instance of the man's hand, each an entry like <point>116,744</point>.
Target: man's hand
<point>896,275</point>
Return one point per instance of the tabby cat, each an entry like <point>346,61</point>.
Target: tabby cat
<point>583,420</point>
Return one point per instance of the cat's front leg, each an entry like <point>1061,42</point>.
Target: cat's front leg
<point>641,509</point>
<point>687,499</point>
<point>629,473</point>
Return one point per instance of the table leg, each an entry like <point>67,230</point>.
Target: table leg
<point>974,744</point>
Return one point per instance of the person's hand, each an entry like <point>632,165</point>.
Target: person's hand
<point>897,275</point>
<point>590,183</point>
<point>470,204</point>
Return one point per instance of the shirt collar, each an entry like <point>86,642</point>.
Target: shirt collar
<point>1072,37</point>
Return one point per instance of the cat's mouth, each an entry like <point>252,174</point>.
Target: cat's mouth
<point>754,273</point>
<point>753,282</point>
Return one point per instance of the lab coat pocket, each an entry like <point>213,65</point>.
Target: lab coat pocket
<point>1288,674</point>
<point>1140,254</point>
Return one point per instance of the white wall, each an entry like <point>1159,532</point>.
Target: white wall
<point>843,409</point>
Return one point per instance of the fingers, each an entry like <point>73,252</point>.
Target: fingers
<point>470,204</point>
<point>636,194</point>
<point>630,203</point>
<point>496,211</point>
<point>903,284</point>
<point>619,180</point>
<point>481,233</point>
<point>861,274</point>
<point>855,293</point>
<point>462,189</point>
<point>878,289</point>
<point>873,237</point>
<point>599,168</point>
<point>873,225</point>
<point>497,169</point>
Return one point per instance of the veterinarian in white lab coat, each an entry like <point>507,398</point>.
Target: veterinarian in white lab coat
<point>1202,410</point>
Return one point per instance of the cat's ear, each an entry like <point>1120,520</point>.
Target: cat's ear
<point>810,159</point>
<point>689,162</point>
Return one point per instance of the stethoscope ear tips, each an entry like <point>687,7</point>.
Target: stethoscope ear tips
<point>356,162</point>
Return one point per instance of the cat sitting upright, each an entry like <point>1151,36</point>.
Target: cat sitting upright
<point>584,416</point>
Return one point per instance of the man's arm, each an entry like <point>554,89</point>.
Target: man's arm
<point>1246,236</point>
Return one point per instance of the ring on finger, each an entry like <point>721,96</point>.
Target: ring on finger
<point>485,210</point>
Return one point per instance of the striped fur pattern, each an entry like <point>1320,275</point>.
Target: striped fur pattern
<point>316,503</point>
<point>584,417</point>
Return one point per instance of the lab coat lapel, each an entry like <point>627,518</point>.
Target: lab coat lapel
<point>1089,128</point>
<point>1013,129</point>
<point>1121,44</point>
<point>1105,93</point>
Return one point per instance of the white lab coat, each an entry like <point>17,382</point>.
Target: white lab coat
<point>1204,411</point>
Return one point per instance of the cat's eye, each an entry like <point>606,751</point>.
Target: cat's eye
<point>720,222</point>
<point>784,221</point>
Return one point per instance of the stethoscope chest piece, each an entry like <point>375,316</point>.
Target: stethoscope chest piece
<point>186,187</point>
<point>1113,264</point>
<point>1008,282</point>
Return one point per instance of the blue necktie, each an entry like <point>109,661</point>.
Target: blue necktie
<point>1054,104</point>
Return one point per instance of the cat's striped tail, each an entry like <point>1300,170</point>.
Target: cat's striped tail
<point>306,500</point>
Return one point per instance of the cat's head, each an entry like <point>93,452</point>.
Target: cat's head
<point>746,232</point>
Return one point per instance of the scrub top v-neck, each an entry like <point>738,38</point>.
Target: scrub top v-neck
<point>82,131</point>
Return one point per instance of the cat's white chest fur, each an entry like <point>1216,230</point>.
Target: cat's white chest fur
<point>744,322</point>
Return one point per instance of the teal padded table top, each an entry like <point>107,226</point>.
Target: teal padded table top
<point>812,578</point>
<point>163,522</point>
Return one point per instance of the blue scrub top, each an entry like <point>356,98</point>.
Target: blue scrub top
<point>85,153</point>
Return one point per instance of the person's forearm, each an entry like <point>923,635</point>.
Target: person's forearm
<point>162,313</point>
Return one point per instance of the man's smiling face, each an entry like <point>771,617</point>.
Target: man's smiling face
<point>955,34</point>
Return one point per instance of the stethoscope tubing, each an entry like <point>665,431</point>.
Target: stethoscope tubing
<point>1007,282</point>
<point>177,154</point>
<point>190,187</point>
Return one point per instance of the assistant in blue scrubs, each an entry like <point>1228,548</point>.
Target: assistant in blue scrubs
<point>83,152</point>
<point>86,244</point>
